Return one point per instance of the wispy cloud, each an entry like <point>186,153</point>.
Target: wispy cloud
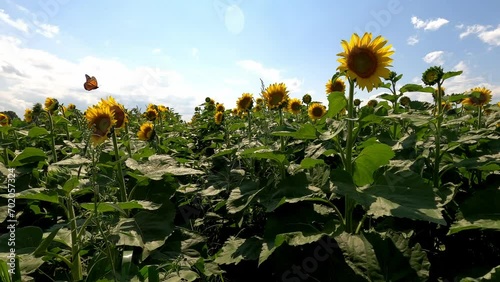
<point>270,75</point>
<point>18,24</point>
<point>486,34</point>
<point>44,29</point>
<point>412,40</point>
<point>435,57</point>
<point>434,24</point>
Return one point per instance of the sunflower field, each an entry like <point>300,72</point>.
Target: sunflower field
<point>272,188</point>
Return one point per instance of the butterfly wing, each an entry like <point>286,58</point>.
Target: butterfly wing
<point>91,83</point>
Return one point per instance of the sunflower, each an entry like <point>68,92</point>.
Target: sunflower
<point>146,132</point>
<point>294,106</point>
<point>482,99</point>
<point>366,60</point>
<point>259,101</point>
<point>245,102</point>
<point>71,106</point>
<point>234,112</point>
<point>28,115</point>
<point>307,99</point>
<point>100,119</point>
<point>436,91</point>
<point>118,111</point>
<point>4,119</point>
<point>162,108</point>
<point>432,75</point>
<point>337,86</point>
<point>372,103</point>
<point>51,105</point>
<point>218,117</point>
<point>405,101</point>
<point>316,111</point>
<point>151,114</point>
<point>220,108</point>
<point>257,109</point>
<point>446,106</point>
<point>276,95</point>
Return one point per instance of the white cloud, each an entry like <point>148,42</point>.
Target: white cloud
<point>44,29</point>
<point>18,24</point>
<point>271,75</point>
<point>412,40</point>
<point>28,76</point>
<point>428,24</point>
<point>435,57</point>
<point>156,51</point>
<point>484,33</point>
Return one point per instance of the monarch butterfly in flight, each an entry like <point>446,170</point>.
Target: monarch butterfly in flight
<point>91,83</point>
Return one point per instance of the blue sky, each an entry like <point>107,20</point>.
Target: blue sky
<point>177,53</point>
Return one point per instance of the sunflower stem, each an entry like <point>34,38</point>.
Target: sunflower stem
<point>249,125</point>
<point>5,152</point>
<point>479,116</point>
<point>282,139</point>
<point>349,203</point>
<point>438,136</point>
<point>52,136</point>
<point>127,144</point>
<point>121,180</point>
<point>76,267</point>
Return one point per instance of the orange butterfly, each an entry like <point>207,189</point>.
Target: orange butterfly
<point>90,84</point>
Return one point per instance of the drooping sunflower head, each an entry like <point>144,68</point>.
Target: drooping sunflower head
<point>337,86</point>
<point>4,119</point>
<point>146,131</point>
<point>218,117</point>
<point>220,108</point>
<point>432,75</point>
<point>438,91</point>
<point>51,105</point>
<point>405,101</point>
<point>276,95</point>
<point>366,60</point>
<point>151,114</point>
<point>307,99</point>
<point>372,103</point>
<point>245,102</point>
<point>479,96</point>
<point>294,106</point>
<point>28,115</point>
<point>316,111</point>
<point>100,119</point>
<point>118,111</point>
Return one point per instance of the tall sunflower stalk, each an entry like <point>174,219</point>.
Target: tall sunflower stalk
<point>364,62</point>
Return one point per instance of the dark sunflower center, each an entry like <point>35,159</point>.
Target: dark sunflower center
<point>317,112</point>
<point>276,98</point>
<point>295,106</point>
<point>337,87</point>
<point>363,62</point>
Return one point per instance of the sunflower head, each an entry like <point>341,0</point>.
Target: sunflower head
<point>259,101</point>
<point>307,99</point>
<point>479,96</point>
<point>357,102</point>
<point>372,103</point>
<point>316,111</point>
<point>294,106</point>
<point>71,107</point>
<point>218,117</point>
<point>151,114</point>
<point>432,75</point>
<point>100,119</point>
<point>207,100</point>
<point>257,108</point>
<point>4,119</point>
<point>234,112</point>
<point>162,108</point>
<point>336,86</point>
<point>365,60</point>
<point>276,95</point>
<point>51,105</point>
<point>117,110</point>
<point>220,108</point>
<point>405,101</point>
<point>446,106</point>
<point>28,115</point>
<point>146,132</point>
<point>245,102</point>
